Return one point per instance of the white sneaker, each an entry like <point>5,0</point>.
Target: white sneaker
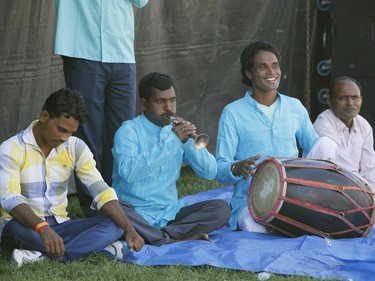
<point>116,249</point>
<point>21,256</point>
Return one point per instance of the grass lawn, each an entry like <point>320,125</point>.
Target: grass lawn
<point>101,267</point>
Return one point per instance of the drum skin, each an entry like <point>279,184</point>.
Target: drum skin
<point>297,196</point>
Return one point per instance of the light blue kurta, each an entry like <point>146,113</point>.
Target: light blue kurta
<point>100,30</point>
<point>245,131</point>
<point>147,164</point>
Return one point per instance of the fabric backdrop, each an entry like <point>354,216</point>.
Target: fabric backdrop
<point>197,42</point>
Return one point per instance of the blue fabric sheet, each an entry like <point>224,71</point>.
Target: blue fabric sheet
<point>343,259</point>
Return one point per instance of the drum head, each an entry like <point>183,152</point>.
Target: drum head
<point>264,191</point>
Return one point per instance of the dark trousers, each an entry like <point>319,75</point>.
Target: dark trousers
<point>81,237</point>
<point>201,217</point>
<point>109,92</point>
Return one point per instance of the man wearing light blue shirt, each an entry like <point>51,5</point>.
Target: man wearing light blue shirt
<point>148,153</point>
<point>262,123</point>
<point>96,41</point>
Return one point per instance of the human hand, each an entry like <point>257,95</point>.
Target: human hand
<point>183,129</point>
<point>53,243</point>
<point>134,240</point>
<point>245,167</point>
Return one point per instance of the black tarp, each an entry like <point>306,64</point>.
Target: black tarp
<point>197,42</point>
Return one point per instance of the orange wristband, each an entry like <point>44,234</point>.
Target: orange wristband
<point>40,226</point>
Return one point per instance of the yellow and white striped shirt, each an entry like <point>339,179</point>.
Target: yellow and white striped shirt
<point>27,176</point>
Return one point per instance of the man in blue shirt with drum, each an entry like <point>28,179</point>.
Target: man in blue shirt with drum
<point>263,123</point>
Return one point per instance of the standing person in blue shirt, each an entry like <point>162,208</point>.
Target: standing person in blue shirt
<point>96,41</point>
<point>148,153</point>
<point>262,123</point>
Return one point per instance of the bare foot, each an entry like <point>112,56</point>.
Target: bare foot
<point>199,236</point>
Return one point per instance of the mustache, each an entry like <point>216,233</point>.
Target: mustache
<point>168,114</point>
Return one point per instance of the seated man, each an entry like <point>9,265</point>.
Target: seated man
<point>352,141</point>
<point>262,123</point>
<point>148,153</point>
<point>35,167</point>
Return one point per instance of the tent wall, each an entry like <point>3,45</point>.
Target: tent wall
<point>197,42</point>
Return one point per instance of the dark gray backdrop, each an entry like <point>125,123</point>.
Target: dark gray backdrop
<point>197,42</point>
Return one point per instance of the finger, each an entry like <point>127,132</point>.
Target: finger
<point>177,121</point>
<point>60,250</point>
<point>190,129</point>
<point>137,246</point>
<point>131,246</point>
<point>47,248</point>
<point>245,172</point>
<point>53,252</point>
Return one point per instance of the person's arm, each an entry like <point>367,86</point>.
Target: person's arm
<point>200,160</point>
<point>226,146</point>
<point>135,158</point>
<point>306,134</point>
<point>12,200</point>
<point>367,162</point>
<point>113,210</point>
<point>53,243</point>
<point>105,198</point>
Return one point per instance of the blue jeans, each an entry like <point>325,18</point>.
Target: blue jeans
<point>81,237</point>
<point>109,92</point>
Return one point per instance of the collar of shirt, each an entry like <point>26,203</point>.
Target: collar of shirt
<point>341,127</point>
<point>29,138</point>
<point>249,99</point>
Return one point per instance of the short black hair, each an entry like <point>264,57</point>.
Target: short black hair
<point>248,54</point>
<point>154,80</point>
<point>335,81</point>
<point>66,102</point>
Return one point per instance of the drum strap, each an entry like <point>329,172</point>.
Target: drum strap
<point>325,185</point>
<point>312,230</point>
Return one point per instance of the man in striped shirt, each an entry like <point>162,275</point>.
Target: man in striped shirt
<point>35,168</point>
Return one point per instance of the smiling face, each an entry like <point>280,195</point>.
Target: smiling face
<point>160,106</point>
<point>345,101</point>
<point>265,73</point>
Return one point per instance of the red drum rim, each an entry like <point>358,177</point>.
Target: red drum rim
<point>267,186</point>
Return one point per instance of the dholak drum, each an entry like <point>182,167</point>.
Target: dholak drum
<point>296,196</point>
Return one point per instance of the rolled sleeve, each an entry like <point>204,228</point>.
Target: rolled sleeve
<point>107,195</point>
<point>12,201</point>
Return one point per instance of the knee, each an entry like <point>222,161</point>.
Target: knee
<point>223,209</point>
<point>324,148</point>
<point>111,227</point>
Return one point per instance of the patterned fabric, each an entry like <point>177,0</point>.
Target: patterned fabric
<point>355,147</point>
<point>89,23</point>
<point>147,164</point>
<point>28,177</point>
<point>245,131</point>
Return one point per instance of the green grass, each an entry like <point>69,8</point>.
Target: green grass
<point>101,267</point>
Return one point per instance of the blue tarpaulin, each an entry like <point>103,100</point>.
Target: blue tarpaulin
<point>343,259</point>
